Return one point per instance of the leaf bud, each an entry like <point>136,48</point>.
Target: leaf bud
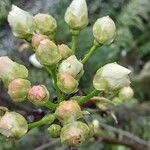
<point>38,95</point>
<point>10,70</point>
<point>13,125</point>
<point>47,53</point>
<point>54,130</point>
<point>74,134</point>
<point>65,51</point>
<point>21,22</point>
<point>76,15</point>
<point>71,66</point>
<point>104,30</point>
<point>111,77</point>
<point>18,89</point>
<point>68,110</point>
<point>67,84</point>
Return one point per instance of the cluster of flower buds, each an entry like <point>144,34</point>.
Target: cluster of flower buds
<point>65,69</point>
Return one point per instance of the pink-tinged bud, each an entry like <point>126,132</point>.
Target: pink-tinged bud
<point>13,125</point>
<point>38,95</point>
<point>65,51</point>
<point>46,24</point>
<point>36,39</point>
<point>47,53</point>
<point>10,70</point>
<point>18,89</point>
<point>67,84</point>
<point>74,134</point>
<point>54,130</point>
<point>68,111</point>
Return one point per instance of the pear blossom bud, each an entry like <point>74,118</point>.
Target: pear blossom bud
<point>65,51</point>
<point>76,15</point>
<point>67,84</point>
<point>34,61</point>
<point>13,125</point>
<point>104,30</point>
<point>36,39</point>
<point>71,66</point>
<point>45,24</point>
<point>10,70</point>
<point>111,77</point>
<point>74,134</point>
<point>47,53</point>
<point>68,111</point>
<point>18,89</point>
<point>38,95</point>
<point>21,22</point>
<point>54,130</point>
<point>126,93</point>
<point>117,101</point>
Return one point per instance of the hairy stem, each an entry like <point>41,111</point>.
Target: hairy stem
<point>74,42</point>
<point>48,119</point>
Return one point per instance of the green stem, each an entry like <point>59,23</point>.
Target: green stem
<point>90,53</point>
<point>53,72</point>
<point>74,42</point>
<point>50,105</point>
<point>48,119</point>
<point>87,98</point>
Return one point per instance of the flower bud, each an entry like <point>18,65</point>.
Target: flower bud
<point>38,95</point>
<point>18,89</point>
<point>126,93</point>
<point>47,53</point>
<point>36,39</point>
<point>74,134</point>
<point>65,51</point>
<point>104,30</point>
<point>71,66</point>
<point>21,22</point>
<point>34,61</point>
<point>111,77</point>
<point>45,24</point>
<point>10,70</point>
<point>13,125</point>
<point>68,111</point>
<point>67,84</point>
<point>76,15</point>
<point>54,130</point>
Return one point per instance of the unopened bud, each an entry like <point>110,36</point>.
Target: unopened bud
<point>47,53</point>
<point>13,125</point>
<point>36,39</point>
<point>21,22</point>
<point>104,30</point>
<point>65,51</point>
<point>38,95</point>
<point>126,93</point>
<point>18,89</point>
<point>45,24</point>
<point>71,66</point>
<point>54,130</point>
<point>67,84</point>
<point>111,77</point>
<point>10,70</point>
<point>76,15</point>
<point>74,134</point>
<point>68,110</point>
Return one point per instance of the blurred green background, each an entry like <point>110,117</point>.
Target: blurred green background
<point>130,49</point>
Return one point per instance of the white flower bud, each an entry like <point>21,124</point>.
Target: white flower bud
<point>10,70</point>
<point>21,22</point>
<point>126,93</point>
<point>34,61</point>
<point>13,125</point>
<point>76,15</point>
<point>71,66</point>
<point>104,30</point>
<point>111,77</point>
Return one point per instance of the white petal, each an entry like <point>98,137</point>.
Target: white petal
<point>34,61</point>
